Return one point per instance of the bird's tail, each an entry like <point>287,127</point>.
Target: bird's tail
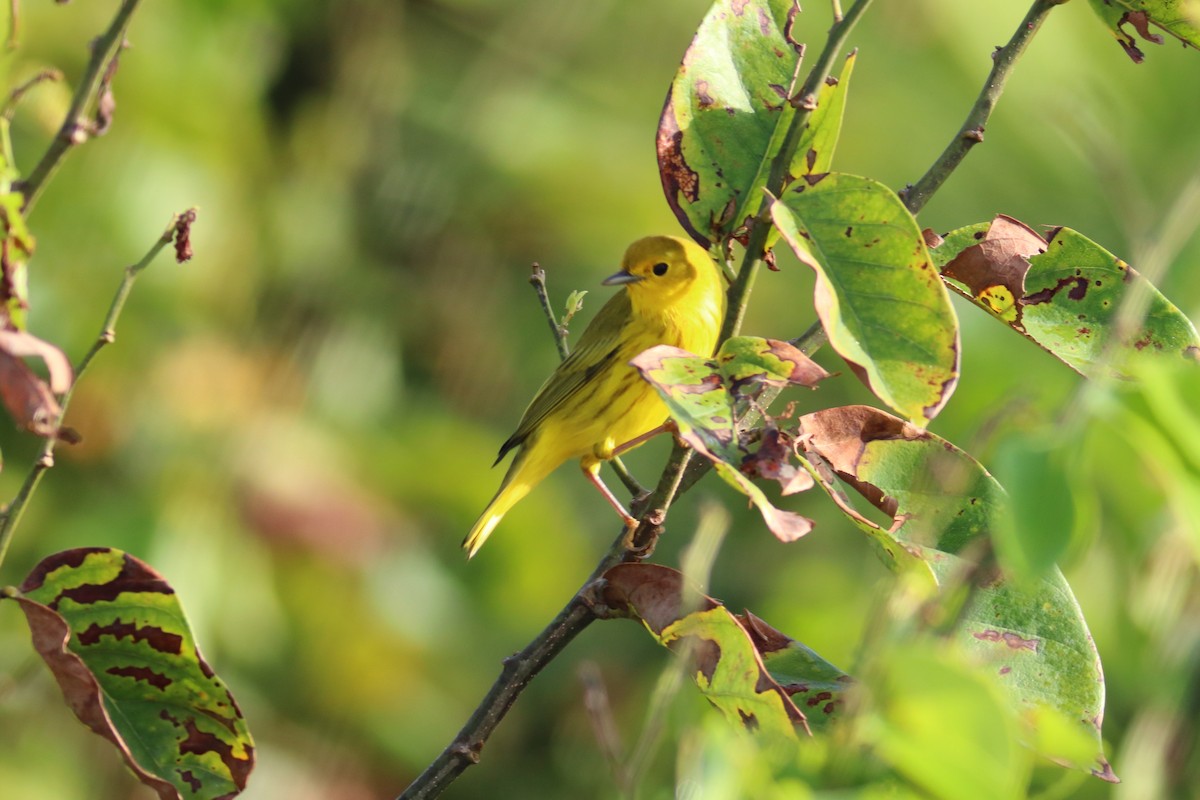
<point>516,484</point>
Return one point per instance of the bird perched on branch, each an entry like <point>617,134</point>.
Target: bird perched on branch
<point>595,405</point>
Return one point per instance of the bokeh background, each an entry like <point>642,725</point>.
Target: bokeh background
<point>296,427</point>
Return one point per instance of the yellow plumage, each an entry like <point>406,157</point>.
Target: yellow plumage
<point>595,401</point>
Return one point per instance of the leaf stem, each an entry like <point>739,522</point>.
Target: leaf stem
<point>971,133</point>
<point>10,517</point>
<point>74,129</point>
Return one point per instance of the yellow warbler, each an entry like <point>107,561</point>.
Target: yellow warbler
<point>595,402</point>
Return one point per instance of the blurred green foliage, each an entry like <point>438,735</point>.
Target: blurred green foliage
<point>295,427</point>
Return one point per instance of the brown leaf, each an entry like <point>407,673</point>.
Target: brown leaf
<point>772,461</point>
<point>183,236</point>
<point>50,634</point>
<point>840,436</point>
<point>29,401</point>
<point>648,592</point>
<point>1000,259</point>
<point>20,343</point>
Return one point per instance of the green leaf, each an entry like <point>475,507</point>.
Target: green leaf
<point>944,727</point>
<point>1066,295</point>
<point>944,503</point>
<point>702,398</point>
<point>729,653</point>
<point>114,635</point>
<point>1039,529</point>
<point>1176,17</point>
<point>878,294</point>
<point>728,111</point>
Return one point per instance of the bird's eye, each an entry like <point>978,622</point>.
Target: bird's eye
<point>660,268</point>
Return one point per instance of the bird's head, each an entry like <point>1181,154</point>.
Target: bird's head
<point>664,270</point>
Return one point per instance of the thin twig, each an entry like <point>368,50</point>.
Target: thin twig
<point>15,96</point>
<point>10,518</point>
<point>971,133</point>
<point>537,279</point>
<point>75,127</point>
<point>632,545</point>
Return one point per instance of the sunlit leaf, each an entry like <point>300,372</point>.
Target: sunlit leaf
<point>878,295</point>
<point>1065,293</point>
<point>1124,18</point>
<point>945,504</point>
<point>702,396</point>
<point>114,635</point>
<point>728,111</point>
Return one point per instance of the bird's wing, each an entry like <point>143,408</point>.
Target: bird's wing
<point>596,351</point>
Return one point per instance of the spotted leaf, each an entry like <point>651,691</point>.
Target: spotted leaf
<point>114,635</point>
<point>1065,293</point>
<point>703,395</point>
<point>877,293</point>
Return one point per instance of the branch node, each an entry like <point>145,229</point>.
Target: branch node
<point>467,751</point>
<point>974,135</point>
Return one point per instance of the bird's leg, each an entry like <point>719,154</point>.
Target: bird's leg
<point>667,427</point>
<point>593,475</point>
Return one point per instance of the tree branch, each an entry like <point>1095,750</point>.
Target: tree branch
<point>75,127</point>
<point>631,545</point>
<point>971,133</point>
<point>177,232</point>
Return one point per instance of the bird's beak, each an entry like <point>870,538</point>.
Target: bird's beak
<point>620,278</point>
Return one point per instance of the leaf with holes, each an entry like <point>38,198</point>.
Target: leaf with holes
<point>114,635</point>
<point>878,295</point>
<point>1177,17</point>
<point>729,653</point>
<point>945,505</point>
<point>1065,293</point>
<point>727,113</point>
<point>702,397</point>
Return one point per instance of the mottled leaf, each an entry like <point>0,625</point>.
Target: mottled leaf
<point>727,651</point>
<point>727,113</point>
<point>1031,630</point>
<point>817,687</point>
<point>114,635</point>
<point>702,396</point>
<point>1065,294</point>
<point>29,400</point>
<point>1124,18</point>
<point>878,294</point>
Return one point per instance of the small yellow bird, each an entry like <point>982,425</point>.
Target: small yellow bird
<point>595,402</point>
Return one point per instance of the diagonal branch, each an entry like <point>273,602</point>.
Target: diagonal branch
<point>75,128</point>
<point>178,232</point>
<point>971,133</point>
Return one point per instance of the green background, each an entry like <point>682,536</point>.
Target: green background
<point>296,427</point>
